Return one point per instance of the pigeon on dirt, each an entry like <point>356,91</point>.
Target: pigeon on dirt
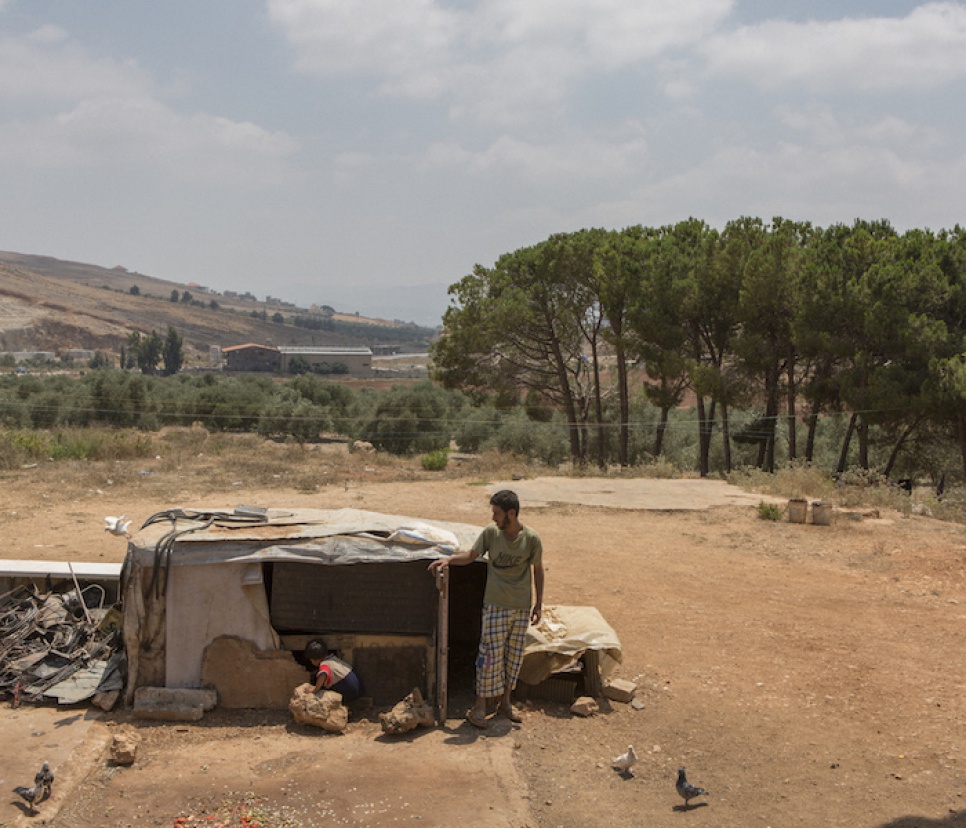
<point>44,780</point>
<point>686,789</point>
<point>625,761</point>
<point>117,525</point>
<point>28,794</point>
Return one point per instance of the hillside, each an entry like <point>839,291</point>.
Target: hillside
<point>50,304</point>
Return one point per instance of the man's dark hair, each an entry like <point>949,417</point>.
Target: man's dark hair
<point>316,649</point>
<point>506,500</point>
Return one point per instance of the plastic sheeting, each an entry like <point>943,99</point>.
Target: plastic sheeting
<point>563,635</point>
<point>333,537</point>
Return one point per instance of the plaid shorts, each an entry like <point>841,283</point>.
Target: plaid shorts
<point>501,649</point>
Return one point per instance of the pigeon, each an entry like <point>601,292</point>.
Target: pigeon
<point>44,780</point>
<point>687,790</point>
<point>625,761</point>
<point>117,525</point>
<point>29,794</point>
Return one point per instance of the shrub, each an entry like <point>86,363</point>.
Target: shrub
<point>770,511</point>
<point>435,460</point>
<point>409,420</point>
<point>520,436</point>
<point>476,426</point>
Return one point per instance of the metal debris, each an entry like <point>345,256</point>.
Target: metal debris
<point>65,646</point>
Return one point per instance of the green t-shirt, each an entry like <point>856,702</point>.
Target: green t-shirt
<point>508,580</point>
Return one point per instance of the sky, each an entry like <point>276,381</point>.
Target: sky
<point>366,154</point>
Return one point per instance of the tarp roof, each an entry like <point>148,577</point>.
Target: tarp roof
<point>329,536</point>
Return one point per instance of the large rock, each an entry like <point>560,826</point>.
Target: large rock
<point>323,710</point>
<point>410,713</point>
<point>620,690</point>
<point>173,704</point>
<point>124,746</point>
<point>585,706</point>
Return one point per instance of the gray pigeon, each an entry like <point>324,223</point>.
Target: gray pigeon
<point>686,789</point>
<point>44,780</point>
<point>29,794</point>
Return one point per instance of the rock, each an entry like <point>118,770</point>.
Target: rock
<point>620,690</point>
<point>173,704</point>
<point>585,706</point>
<point>124,747</point>
<point>410,713</point>
<point>323,710</point>
<point>106,701</point>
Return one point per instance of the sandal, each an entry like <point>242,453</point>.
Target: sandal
<point>511,713</point>
<point>475,720</point>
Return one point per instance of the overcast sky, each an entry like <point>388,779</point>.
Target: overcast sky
<point>367,153</point>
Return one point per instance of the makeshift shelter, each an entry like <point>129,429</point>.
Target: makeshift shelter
<point>230,599</point>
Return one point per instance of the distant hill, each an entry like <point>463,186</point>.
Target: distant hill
<point>50,304</point>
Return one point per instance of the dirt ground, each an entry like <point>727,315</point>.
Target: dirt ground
<point>805,675</point>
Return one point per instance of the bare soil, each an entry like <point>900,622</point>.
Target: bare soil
<point>805,675</point>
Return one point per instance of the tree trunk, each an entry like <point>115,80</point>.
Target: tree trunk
<point>844,454</point>
<point>792,406</point>
<point>662,427</point>
<point>623,393</point>
<point>704,439</point>
<point>863,432</point>
<point>810,437</point>
<point>898,446</point>
<point>569,403</point>
<point>726,438</point>
<point>771,415</point>
<point>599,411</point>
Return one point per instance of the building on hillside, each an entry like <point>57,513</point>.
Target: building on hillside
<point>34,356</point>
<point>357,360</point>
<point>252,357</point>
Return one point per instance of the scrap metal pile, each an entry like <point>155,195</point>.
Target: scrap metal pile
<point>54,646</point>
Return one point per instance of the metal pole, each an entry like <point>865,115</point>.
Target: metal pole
<point>80,595</point>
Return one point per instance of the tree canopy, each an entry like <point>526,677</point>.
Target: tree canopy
<point>789,319</point>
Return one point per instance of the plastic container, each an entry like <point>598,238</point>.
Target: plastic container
<point>797,510</point>
<point>821,513</point>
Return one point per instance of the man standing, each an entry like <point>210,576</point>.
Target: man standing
<point>509,607</point>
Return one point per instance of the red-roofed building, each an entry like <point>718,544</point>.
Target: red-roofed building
<point>252,357</point>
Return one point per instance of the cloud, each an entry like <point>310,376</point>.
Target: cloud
<point>488,60</point>
<point>597,158</point>
<point>80,110</point>
<point>45,65</point>
<point>821,126</point>
<point>825,185</point>
<point>406,44</point>
<point>925,49</point>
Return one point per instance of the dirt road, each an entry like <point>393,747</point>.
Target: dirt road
<point>804,675</point>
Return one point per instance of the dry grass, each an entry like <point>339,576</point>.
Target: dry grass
<point>169,463</point>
